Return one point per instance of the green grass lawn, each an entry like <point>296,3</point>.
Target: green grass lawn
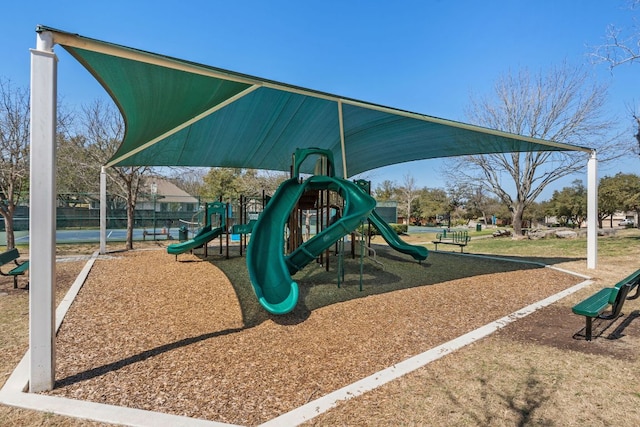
<point>618,244</point>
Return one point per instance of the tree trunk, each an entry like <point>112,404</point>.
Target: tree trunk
<point>7,214</point>
<point>486,220</point>
<point>130,225</point>
<point>516,218</point>
<point>131,208</point>
<point>8,228</point>
<point>637,135</point>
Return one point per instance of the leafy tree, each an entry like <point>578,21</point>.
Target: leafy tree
<point>628,187</point>
<point>222,183</point>
<point>385,190</point>
<point>610,197</point>
<point>432,202</point>
<point>570,204</point>
<point>535,213</point>
<point>231,183</point>
<point>559,106</point>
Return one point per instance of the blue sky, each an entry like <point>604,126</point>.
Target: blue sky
<point>423,56</point>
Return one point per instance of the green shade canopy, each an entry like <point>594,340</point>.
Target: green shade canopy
<point>180,113</point>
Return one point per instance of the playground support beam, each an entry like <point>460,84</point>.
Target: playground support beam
<point>42,212</point>
<point>342,145</point>
<point>103,210</point>
<point>592,211</point>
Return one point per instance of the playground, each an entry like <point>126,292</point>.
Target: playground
<point>188,337</point>
<point>180,334</point>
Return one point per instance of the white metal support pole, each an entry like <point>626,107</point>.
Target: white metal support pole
<point>103,211</point>
<point>592,211</point>
<point>42,215</point>
<point>342,144</point>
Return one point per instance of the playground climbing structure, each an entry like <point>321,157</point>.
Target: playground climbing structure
<point>272,259</point>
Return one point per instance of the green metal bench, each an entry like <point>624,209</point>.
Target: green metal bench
<point>595,305</point>
<point>459,238</point>
<point>9,256</point>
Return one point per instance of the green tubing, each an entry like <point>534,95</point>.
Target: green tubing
<point>270,278</point>
<point>269,270</point>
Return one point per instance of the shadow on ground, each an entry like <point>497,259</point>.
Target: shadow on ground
<point>391,271</point>
<point>556,326</point>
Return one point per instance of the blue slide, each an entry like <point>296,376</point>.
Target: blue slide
<point>269,270</point>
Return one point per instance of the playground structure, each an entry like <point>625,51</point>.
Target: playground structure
<point>215,220</point>
<point>272,259</point>
<point>278,248</point>
<point>207,232</point>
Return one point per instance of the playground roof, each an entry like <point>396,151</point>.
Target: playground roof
<point>181,113</point>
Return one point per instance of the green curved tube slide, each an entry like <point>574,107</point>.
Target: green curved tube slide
<point>269,270</point>
<point>271,281</point>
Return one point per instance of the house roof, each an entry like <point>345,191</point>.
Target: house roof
<point>166,191</point>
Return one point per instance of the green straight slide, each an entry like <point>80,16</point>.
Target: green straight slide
<point>204,236</point>
<point>419,253</point>
<point>269,269</point>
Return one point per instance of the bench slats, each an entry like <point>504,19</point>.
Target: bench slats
<point>459,238</point>
<point>8,256</point>
<point>596,303</point>
<point>20,269</point>
<point>12,255</point>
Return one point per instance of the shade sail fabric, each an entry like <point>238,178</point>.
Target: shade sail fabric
<point>179,113</point>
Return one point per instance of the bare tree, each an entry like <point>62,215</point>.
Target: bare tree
<point>102,133</point>
<point>408,192</point>
<point>14,153</point>
<point>189,179</point>
<point>559,106</point>
<point>622,46</point>
<point>637,135</point>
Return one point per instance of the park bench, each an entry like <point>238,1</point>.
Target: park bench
<point>163,232</point>
<point>595,305</point>
<point>9,256</point>
<point>459,238</point>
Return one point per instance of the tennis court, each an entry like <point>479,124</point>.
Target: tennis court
<point>93,235</point>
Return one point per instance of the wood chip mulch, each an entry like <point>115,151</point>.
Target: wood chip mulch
<point>152,333</point>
